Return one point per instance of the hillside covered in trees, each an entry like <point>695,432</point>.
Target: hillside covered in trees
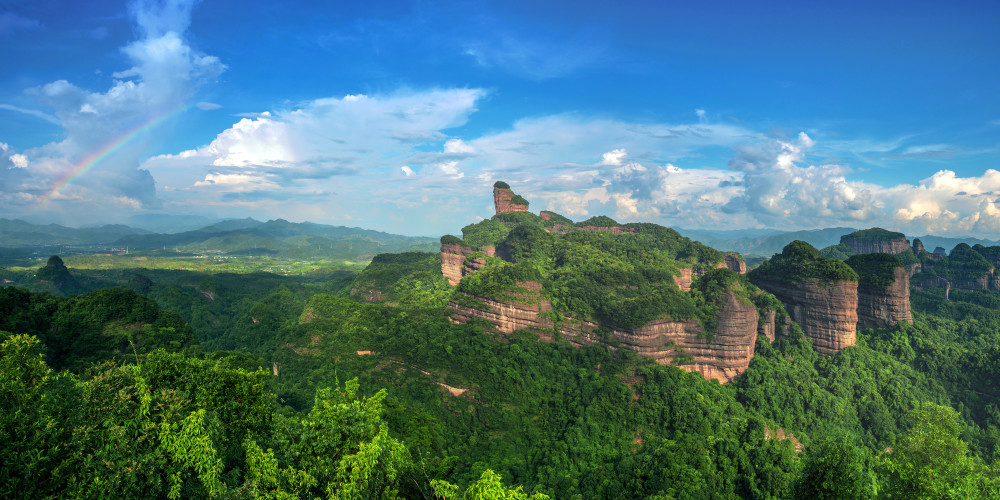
<point>369,385</point>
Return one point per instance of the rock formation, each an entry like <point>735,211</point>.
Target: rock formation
<point>918,247</point>
<point>736,263</point>
<point>875,240</point>
<point>504,200</point>
<point>726,356</point>
<point>881,308</point>
<point>819,293</point>
<point>453,260</point>
<point>827,312</point>
<point>883,290</point>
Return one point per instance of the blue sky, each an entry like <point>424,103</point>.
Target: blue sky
<point>399,116</point>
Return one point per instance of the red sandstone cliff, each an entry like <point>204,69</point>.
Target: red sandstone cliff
<point>736,263</point>
<point>452,260</point>
<point>502,201</point>
<point>892,247</point>
<point>827,312</point>
<point>880,308</point>
<point>726,356</point>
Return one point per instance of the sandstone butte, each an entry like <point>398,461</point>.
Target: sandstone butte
<point>890,245</point>
<point>826,311</point>
<point>881,308</point>
<point>664,339</point>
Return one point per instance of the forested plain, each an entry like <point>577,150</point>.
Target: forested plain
<point>151,383</point>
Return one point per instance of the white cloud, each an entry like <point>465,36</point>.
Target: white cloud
<point>614,157</point>
<point>407,171</point>
<point>457,146</point>
<point>165,71</point>
<point>19,160</point>
<point>208,106</point>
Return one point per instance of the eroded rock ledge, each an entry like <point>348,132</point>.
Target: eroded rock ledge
<point>664,339</point>
<point>826,311</point>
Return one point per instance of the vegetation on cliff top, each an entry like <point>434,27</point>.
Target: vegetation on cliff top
<point>501,185</point>
<point>518,200</point>
<point>873,234</point>
<point>800,261</point>
<point>875,270</point>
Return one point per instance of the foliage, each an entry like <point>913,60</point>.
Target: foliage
<point>836,468</point>
<point>599,221</point>
<point>801,261</point>
<point>555,218</point>
<point>501,185</point>
<point>873,234</point>
<point>875,270</point>
<point>451,240</point>
<point>518,200</point>
<point>409,279</point>
<point>486,232</point>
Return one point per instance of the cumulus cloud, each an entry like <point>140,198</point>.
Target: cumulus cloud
<point>327,152</point>
<point>19,160</point>
<point>782,193</point>
<point>102,138</point>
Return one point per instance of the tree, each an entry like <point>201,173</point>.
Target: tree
<point>931,461</point>
<point>835,468</point>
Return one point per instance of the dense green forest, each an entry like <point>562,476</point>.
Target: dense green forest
<point>159,383</point>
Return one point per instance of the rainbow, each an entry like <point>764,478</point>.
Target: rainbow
<point>88,162</point>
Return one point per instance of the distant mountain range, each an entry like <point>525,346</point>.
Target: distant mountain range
<point>236,236</point>
<point>765,242</point>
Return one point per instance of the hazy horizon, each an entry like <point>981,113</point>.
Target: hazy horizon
<point>399,116</point>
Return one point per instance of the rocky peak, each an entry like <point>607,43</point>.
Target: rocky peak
<point>918,246</point>
<point>504,200</point>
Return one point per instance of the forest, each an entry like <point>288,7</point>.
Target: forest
<point>151,383</point>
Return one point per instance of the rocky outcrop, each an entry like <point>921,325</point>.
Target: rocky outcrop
<point>664,340</point>
<point>881,308</point>
<point>827,312</point>
<point>684,280</point>
<point>452,261</point>
<point>504,200</point>
<point>918,247</point>
<point>892,246</point>
<point>736,263</point>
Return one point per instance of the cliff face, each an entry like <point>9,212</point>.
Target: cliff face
<point>878,308</point>
<point>452,261</point>
<point>502,201</point>
<point>735,263</point>
<point>892,246</point>
<point>827,312</point>
<point>726,356</point>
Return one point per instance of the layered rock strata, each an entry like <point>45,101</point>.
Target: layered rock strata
<point>881,308</point>
<point>893,246</point>
<point>827,312</point>
<point>502,201</point>
<point>725,357</point>
<point>452,261</point>
<point>736,263</point>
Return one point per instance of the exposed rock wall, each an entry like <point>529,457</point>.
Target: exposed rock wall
<point>735,263</point>
<point>453,260</point>
<point>878,308</point>
<point>827,312</point>
<point>684,280</point>
<point>893,247</point>
<point>502,203</point>
<point>726,356</point>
